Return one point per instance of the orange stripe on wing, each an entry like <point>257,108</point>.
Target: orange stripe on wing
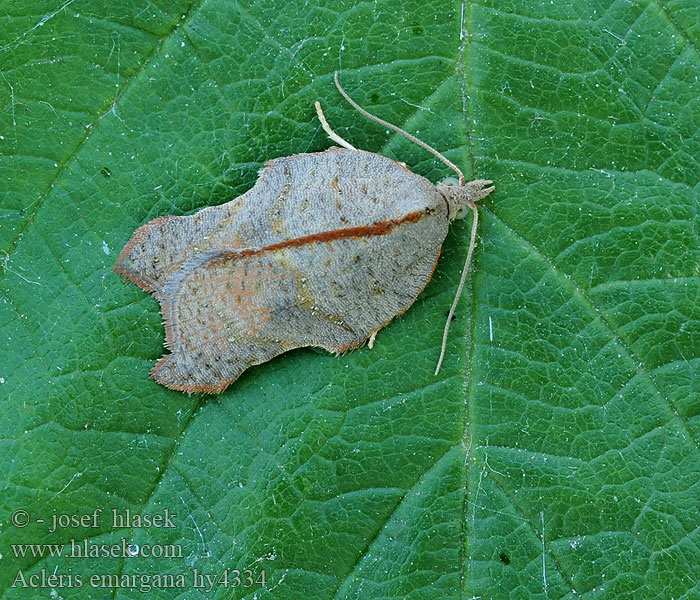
<point>379,228</point>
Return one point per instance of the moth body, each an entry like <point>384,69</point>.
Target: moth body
<point>323,251</point>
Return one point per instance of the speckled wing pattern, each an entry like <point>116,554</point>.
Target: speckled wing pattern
<point>323,251</point>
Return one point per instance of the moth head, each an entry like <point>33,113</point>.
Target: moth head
<point>461,196</point>
<point>456,196</point>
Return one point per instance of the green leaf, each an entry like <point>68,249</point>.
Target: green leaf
<point>556,455</point>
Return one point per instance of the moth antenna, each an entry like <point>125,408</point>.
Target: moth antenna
<point>327,128</point>
<point>407,135</point>
<point>472,244</point>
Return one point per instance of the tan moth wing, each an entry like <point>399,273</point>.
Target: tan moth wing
<point>228,310</point>
<point>294,196</point>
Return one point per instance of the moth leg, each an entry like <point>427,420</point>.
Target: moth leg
<point>327,128</point>
<point>370,342</point>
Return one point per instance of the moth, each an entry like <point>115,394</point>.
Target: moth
<point>324,250</point>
